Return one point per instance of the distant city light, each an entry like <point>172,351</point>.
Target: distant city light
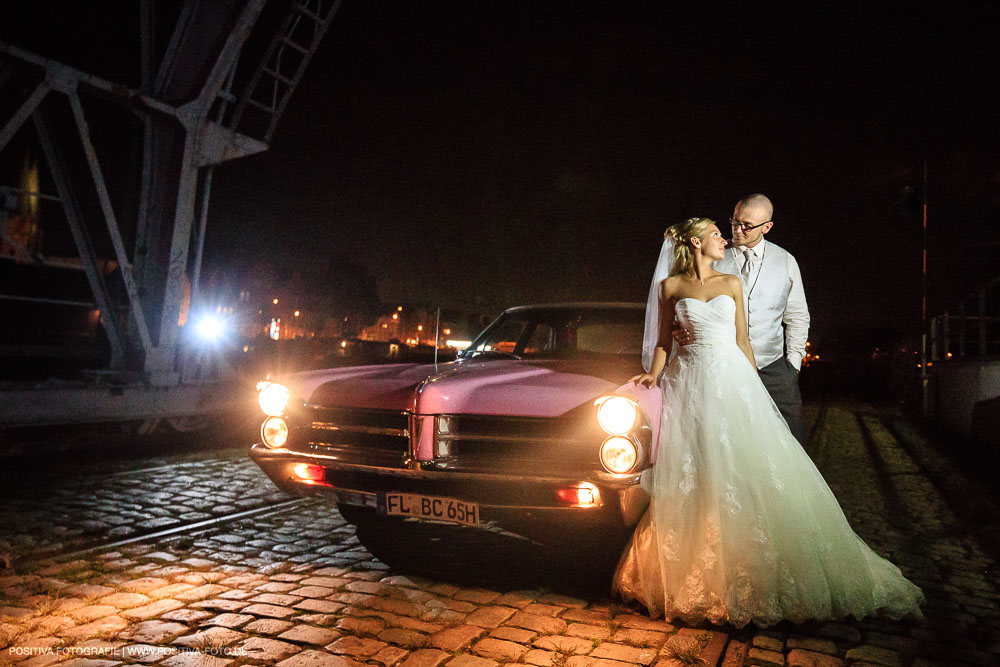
<point>458,344</point>
<point>420,327</point>
<point>343,343</point>
<point>447,332</point>
<point>395,316</point>
<point>275,302</point>
<point>399,308</point>
<point>296,313</point>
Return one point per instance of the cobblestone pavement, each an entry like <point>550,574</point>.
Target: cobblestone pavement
<point>54,516</point>
<point>298,589</point>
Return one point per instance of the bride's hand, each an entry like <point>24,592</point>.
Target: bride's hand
<point>645,379</point>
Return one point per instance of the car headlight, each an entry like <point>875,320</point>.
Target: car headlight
<point>617,415</point>
<point>274,432</point>
<point>619,454</point>
<point>273,398</point>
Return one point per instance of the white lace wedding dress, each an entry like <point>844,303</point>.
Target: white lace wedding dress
<point>741,526</point>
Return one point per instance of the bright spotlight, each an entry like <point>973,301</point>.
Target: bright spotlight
<point>210,328</point>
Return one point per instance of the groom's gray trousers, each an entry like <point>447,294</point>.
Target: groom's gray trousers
<point>782,382</point>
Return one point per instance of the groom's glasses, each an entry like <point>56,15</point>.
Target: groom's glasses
<point>745,226</point>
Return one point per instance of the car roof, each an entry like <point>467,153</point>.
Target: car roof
<point>578,305</point>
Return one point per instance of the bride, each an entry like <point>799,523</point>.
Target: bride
<point>741,526</point>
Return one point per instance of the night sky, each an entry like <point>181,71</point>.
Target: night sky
<point>488,154</point>
<point>480,155</point>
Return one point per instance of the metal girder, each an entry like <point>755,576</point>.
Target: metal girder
<point>111,222</point>
<point>23,113</point>
<point>177,266</point>
<point>81,237</point>
<point>62,77</point>
<point>171,182</point>
<point>271,65</point>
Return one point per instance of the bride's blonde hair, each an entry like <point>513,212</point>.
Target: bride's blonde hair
<point>681,234</point>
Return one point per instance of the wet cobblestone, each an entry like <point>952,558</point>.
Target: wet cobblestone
<point>296,588</point>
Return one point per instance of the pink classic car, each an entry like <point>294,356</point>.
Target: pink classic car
<point>533,431</point>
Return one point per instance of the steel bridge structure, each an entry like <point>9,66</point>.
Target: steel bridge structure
<point>213,91</point>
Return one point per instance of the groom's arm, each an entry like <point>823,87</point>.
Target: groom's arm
<point>795,317</point>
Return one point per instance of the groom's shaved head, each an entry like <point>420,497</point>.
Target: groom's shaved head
<point>759,202</point>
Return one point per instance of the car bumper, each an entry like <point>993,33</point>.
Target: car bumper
<point>525,505</point>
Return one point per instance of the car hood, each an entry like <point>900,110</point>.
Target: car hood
<point>515,387</point>
<point>499,387</point>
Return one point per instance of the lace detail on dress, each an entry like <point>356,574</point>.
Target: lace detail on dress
<point>724,435</point>
<point>687,483</point>
<point>732,505</point>
<point>668,545</point>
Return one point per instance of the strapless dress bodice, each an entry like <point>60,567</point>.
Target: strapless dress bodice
<point>709,322</point>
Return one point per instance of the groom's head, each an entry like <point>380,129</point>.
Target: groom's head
<point>751,220</point>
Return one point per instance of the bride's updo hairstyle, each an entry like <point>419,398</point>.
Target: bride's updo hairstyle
<point>681,234</point>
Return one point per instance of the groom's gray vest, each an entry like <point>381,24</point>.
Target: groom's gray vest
<point>764,300</point>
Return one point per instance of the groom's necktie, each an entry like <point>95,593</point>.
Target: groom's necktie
<point>747,264</point>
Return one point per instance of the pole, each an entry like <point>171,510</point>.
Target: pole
<point>437,329</point>
<point>924,378</point>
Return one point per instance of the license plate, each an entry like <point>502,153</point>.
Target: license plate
<point>436,508</point>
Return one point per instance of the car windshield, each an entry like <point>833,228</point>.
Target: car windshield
<point>561,333</point>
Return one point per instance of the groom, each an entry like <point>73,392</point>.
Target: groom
<point>774,303</point>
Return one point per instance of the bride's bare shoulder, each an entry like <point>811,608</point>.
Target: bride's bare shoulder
<point>668,288</point>
<point>732,283</point>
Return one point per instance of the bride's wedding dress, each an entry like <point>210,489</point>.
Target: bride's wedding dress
<point>741,526</point>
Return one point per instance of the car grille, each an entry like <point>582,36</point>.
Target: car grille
<point>529,446</point>
<point>360,436</point>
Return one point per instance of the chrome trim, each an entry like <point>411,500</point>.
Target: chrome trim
<point>369,499</point>
<point>417,470</point>
<point>373,430</point>
<point>505,438</point>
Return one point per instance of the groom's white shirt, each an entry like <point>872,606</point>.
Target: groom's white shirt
<point>772,296</point>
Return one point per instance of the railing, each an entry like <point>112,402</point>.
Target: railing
<point>971,330</point>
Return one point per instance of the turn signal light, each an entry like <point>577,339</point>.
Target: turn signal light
<point>306,473</point>
<point>583,495</point>
<point>310,472</point>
